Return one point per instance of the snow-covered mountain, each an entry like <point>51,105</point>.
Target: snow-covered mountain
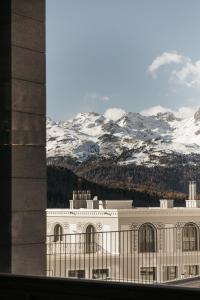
<point>134,138</point>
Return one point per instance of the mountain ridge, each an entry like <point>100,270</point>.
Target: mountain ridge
<point>132,139</point>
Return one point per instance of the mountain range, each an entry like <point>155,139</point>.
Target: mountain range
<point>155,154</point>
<point>132,139</point>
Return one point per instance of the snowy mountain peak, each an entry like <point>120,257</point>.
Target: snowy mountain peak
<point>87,115</point>
<point>134,138</point>
<point>167,116</point>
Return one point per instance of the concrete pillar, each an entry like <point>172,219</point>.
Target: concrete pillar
<point>22,137</point>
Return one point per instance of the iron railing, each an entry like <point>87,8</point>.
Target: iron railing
<point>140,256</point>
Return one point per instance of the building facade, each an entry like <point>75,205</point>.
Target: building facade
<point>113,240</point>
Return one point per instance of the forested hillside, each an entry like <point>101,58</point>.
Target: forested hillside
<point>164,181</point>
<point>62,182</point>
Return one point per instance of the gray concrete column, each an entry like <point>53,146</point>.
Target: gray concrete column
<point>22,137</point>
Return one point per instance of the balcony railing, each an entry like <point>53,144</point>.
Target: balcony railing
<point>146,255</point>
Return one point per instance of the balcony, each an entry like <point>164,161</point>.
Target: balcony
<point>114,265</point>
<point>145,256</point>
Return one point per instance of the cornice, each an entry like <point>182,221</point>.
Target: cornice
<point>170,212</point>
<point>140,212</point>
<point>82,213</point>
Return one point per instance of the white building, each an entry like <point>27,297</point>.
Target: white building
<point>113,240</point>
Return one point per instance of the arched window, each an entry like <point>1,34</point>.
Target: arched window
<point>90,245</point>
<point>58,233</point>
<point>190,237</point>
<point>147,238</point>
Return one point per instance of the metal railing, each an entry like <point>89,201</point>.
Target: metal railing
<point>157,255</point>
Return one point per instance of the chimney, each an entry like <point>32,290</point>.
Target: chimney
<point>88,195</point>
<point>192,190</point>
<point>192,202</point>
<point>166,203</point>
<point>101,205</point>
<point>74,195</point>
<point>79,195</point>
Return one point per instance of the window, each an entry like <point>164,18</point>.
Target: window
<point>76,274</point>
<point>147,238</point>
<point>90,245</point>
<point>170,272</point>
<point>58,233</point>
<point>191,270</point>
<point>190,237</point>
<point>100,273</point>
<point>148,273</point>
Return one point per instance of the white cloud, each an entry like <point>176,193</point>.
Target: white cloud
<point>114,113</point>
<point>166,58</point>
<point>189,75</point>
<point>185,72</point>
<point>182,112</point>
<point>96,97</point>
<point>154,110</point>
<point>105,98</point>
<point>185,112</point>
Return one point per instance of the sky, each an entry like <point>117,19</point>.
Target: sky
<point>111,56</point>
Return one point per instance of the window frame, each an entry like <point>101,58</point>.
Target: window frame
<point>58,233</point>
<point>90,239</point>
<point>190,244</point>
<point>150,243</point>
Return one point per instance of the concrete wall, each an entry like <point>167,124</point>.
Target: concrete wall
<point>22,137</point>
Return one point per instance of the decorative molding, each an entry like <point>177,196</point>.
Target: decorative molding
<point>99,227</point>
<point>80,226</point>
<point>158,225</point>
<point>51,226</point>
<point>65,225</point>
<point>180,224</point>
<point>179,212</point>
<point>83,213</point>
<point>84,226</point>
<point>135,240</point>
<point>134,226</point>
<point>160,240</point>
<point>134,236</point>
<point>159,234</point>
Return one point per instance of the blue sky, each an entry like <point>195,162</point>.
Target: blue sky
<point>128,54</point>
